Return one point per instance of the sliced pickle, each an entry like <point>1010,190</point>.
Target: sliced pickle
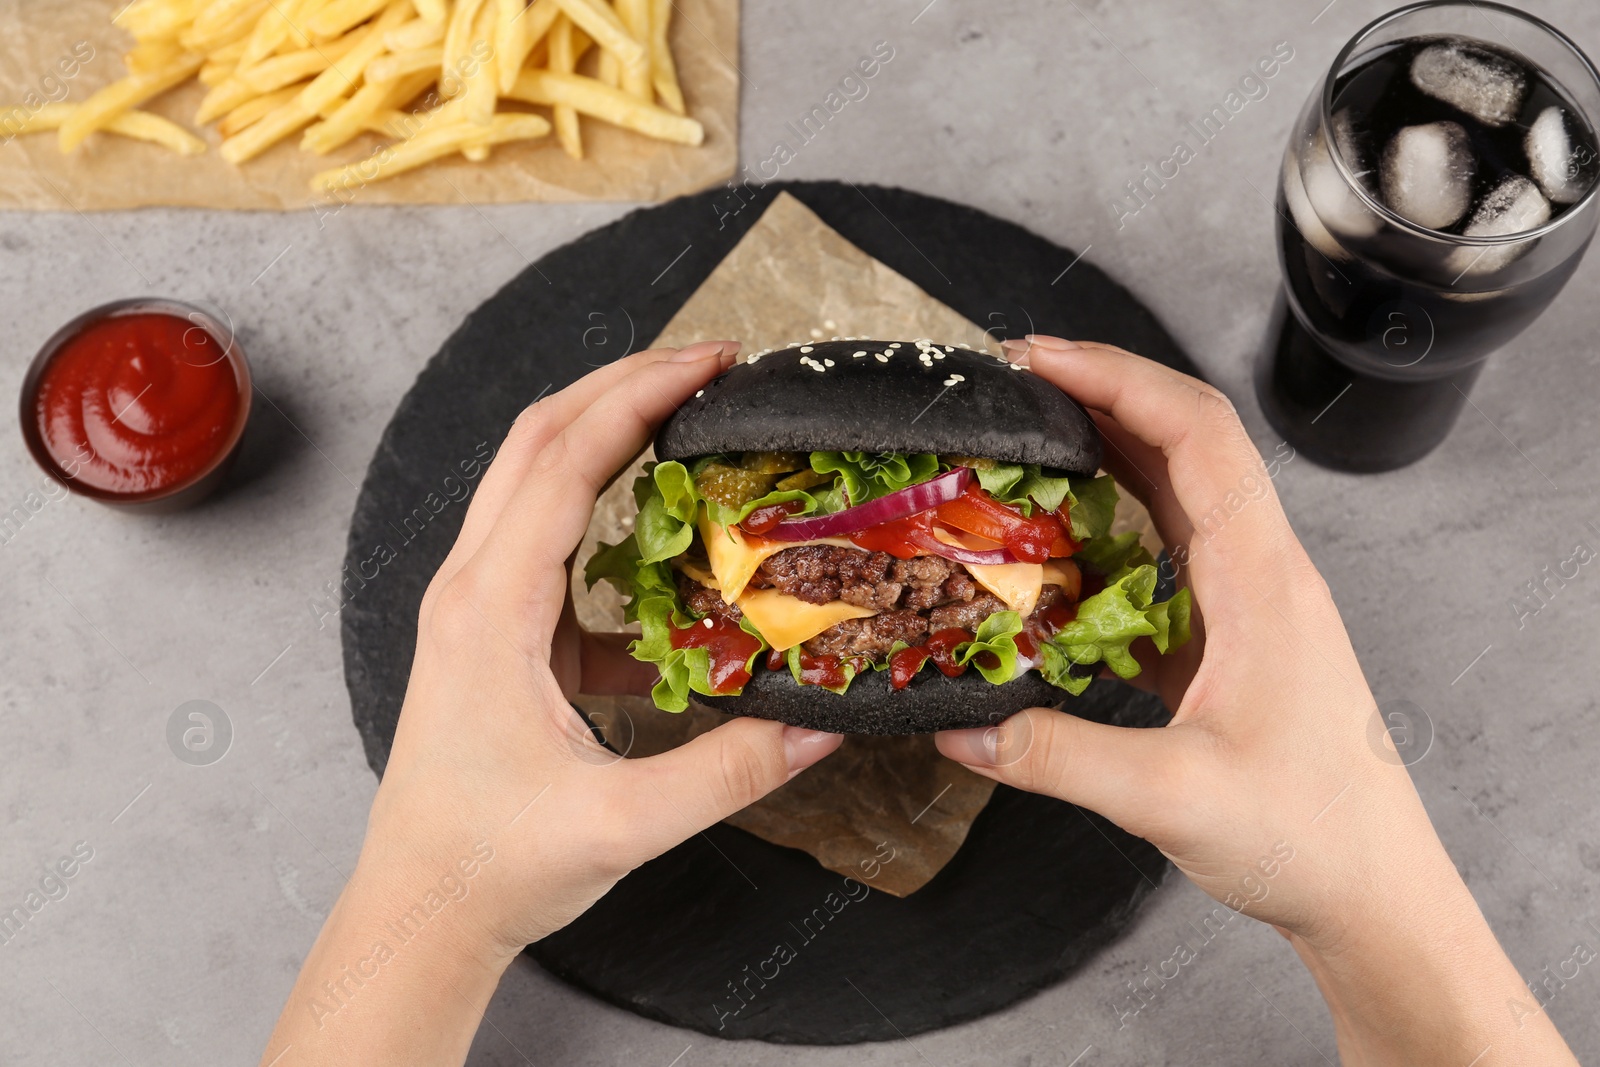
<point>774,462</point>
<point>805,480</point>
<point>732,487</point>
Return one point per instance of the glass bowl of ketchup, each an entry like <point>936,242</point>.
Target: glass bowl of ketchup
<point>138,404</point>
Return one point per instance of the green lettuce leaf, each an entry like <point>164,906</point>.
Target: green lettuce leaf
<point>791,656</point>
<point>615,564</point>
<point>1171,618</point>
<point>1112,619</point>
<point>818,501</point>
<point>996,634</point>
<point>656,608</point>
<point>869,475</point>
<point>1115,556</point>
<point>1055,665</point>
<point>1105,625</point>
<point>667,507</point>
<point>1022,485</point>
<point>1093,505</point>
<point>673,484</point>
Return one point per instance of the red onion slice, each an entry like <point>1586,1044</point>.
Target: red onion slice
<point>982,557</point>
<point>897,505</point>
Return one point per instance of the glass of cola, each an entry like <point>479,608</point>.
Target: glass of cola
<point>1437,193</point>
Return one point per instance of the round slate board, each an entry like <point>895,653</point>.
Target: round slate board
<point>1037,887</point>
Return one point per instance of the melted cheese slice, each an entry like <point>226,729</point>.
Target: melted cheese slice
<point>1065,573</point>
<point>1017,584</point>
<point>734,557</point>
<point>699,574</point>
<point>786,621</point>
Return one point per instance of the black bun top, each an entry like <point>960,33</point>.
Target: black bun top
<point>883,396</point>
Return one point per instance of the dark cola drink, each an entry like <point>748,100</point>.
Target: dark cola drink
<point>1436,198</point>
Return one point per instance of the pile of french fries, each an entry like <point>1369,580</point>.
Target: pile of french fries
<point>432,77</point>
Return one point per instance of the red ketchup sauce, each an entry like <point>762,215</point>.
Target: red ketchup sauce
<point>829,671</point>
<point>138,403</point>
<point>939,647</point>
<point>730,648</point>
<point>762,520</point>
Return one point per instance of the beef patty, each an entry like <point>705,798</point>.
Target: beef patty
<point>913,597</point>
<point>821,574</point>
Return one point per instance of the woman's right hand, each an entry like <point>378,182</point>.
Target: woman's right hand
<point>1275,787</point>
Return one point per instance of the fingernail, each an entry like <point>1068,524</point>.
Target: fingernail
<point>802,747</point>
<point>976,746</point>
<point>703,350</point>
<point>1017,351</point>
<point>1052,344</point>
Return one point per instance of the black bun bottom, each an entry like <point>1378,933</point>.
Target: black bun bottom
<point>871,705</point>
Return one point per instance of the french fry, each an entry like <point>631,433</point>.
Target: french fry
<point>403,91</point>
<point>267,131</point>
<point>391,66</point>
<point>153,55</point>
<point>270,32</point>
<point>433,143</point>
<point>592,97</point>
<point>340,77</point>
<point>124,95</point>
<point>207,35</point>
<point>299,12</point>
<point>458,61</point>
<point>144,126</point>
<point>149,19</point>
<point>337,69</point>
<point>418,33</point>
<point>516,39</point>
<point>283,70</point>
<point>482,80</point>
<point>564,60</point>
<point>635,16</point>
<point>392,123</point>
<point>140,125</point>
<point>214,74</point>
<point>602,24</point>
<point>247,113</point>
<point>342,16</point>
<point>435,11</point>
<point>323,90</point>
<point>231,52</point>
<point>228,95</point>
<point>663,70</point>
<point>359,113</point>
<point>216,14</point>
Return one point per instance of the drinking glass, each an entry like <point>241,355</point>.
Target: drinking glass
<point>1389,320</point>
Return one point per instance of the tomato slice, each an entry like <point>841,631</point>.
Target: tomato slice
<point>894,537</point>
<point>1031,539</point>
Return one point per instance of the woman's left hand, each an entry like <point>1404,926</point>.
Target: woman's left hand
<point>499,816</point>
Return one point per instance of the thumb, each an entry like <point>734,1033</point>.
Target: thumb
<point>700,783</point>
<point>1108,769</point>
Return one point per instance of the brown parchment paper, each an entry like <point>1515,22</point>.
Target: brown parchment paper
<point>111,172</point>
<point>877,797</point>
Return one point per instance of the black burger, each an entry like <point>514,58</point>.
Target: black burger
<point>882,537</point>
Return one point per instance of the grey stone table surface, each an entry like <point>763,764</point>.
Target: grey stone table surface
<point>178,941</point>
